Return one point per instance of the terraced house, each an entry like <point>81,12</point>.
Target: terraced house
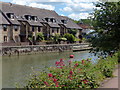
<point>19,22</point>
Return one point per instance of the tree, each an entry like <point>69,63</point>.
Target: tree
<point>107,26</point>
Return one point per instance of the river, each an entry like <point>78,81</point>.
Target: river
<point>17,69</point>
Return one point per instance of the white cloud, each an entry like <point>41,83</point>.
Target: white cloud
<point>78,1</point>
<point>41,1</point>
<point>66,9</point>
<point>79,16</point>
<point>21,2</point>
<point>78,7</point>
<point>50,7</point>
<point>33,4</point>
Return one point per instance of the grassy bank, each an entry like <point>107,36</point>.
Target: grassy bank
<point>78,74</point>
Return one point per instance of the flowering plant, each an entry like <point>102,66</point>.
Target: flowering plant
<point>77,74</point>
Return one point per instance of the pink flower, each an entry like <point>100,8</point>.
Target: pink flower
<point>46,83</point>
<point>55,80</point>
<point>79,69</point>
<point>83,61</point>
<point>70,76</point>
<point>76,64</point>
<point>85,81</point>
<point>62,85</point>
<point>61,60</point>
<point>61,63</point>
<point>56,84</point>
<point>57,63</point>
<point>71,72</point>
<point>50,75</point>
<point>71,56</point>
<point>60,67</point>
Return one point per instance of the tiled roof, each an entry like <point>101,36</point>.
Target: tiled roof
<point>3,20</point>
<point>70,23</point>
<point>85,26</point>
<point>53,25</point>
<point>20,11</point>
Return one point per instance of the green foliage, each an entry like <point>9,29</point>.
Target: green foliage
<point>40,36</point>
<point>107,25</point>
<point>107,65</point>
<point>72,31</point>
<point>70,37</point>
<point>56,38</point>
<point>87,21</point>
<point>62,39</point>
<point>119,56</point>
<point>77,74</point>
<point>76,21</point>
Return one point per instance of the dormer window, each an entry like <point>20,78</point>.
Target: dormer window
<point>53,20</point>
<point>10,15</point>
<point>16,28</point>
<point>64,21</point>
<point>28,17</point>
<point>49,20</point>
<point>34,18</point>
<point>5,27</point>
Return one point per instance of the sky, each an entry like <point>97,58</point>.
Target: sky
<point>75,9</point>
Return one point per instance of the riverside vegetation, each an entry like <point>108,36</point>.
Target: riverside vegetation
<point>74,74</point>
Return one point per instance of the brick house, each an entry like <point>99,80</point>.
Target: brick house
<point>19,22</point>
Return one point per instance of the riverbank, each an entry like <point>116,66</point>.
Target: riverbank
<point>78,74</point>
<point>37,49</point>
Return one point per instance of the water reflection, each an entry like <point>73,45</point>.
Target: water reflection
<point>16,69</point>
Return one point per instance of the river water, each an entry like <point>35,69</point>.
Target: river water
<point>17,69</point>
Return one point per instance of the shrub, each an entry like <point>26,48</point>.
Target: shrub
<point>40,36</point>
<point>70,37</point>
<point>119,56</point>
<point>56,38</point>
<point>72,31</point>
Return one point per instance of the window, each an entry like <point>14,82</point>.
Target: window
<point>52,30</point>
<point>49,20</point>
<point>64,21</point>
<point>33,29</point>
<point>54,20</point>
<point>57,30</point>
<point>16,28</point>
<point>12,16</point>
<point>39,29</point>
<point>5,38</point>
<point>35,18</point>
<point>5,27</point>
<point>28,17</point>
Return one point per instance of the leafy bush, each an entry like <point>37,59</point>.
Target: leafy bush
<point>70,37</point>
<point>56,38</point>
<point>77,74</point>
<point>119,56</point>
<point>72,31</point>
<point>40,36</point>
